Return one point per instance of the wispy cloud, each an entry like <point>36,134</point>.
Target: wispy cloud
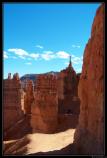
<point>62,54</point>
<point>28,63</point>
<point>75,46</point>
<point>77,60</point>
<point>39,46</point>
<point>23,54</point>
<point>19,52</point>
<point>33,55</point>
<point>5,55</point>
<point>47,55</point>
<point>22,57</point>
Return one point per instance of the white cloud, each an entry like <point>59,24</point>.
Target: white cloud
<point>28,63</point>
<point>75,46</point>
<point>77,60</point>
<point>19,52</point>
<point>48,52</point>
<point>39,46</point>
<point>23,54</point>
<point>62,54</point>
<point>47,55</point>
<point>33,55</point>
<point>5,55</point>
<point>22,57</point>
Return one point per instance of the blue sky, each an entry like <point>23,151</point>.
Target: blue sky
<point>39,37</point>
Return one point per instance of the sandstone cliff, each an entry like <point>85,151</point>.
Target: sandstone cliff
<point>89,133</point>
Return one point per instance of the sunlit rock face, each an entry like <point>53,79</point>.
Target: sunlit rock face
<point>12,105</point>
<point>89,134</point>
<point>45,106</point>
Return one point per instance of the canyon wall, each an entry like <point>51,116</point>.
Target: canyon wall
<point>89,135</point>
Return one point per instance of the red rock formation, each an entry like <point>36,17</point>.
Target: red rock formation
<point>12,111</point>
<point>89,133</point>
<point>16,77</point>
<point>29,97</point>
<point>67,90</point>
<point>45,107</point>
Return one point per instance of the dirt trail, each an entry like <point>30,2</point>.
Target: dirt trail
<point>35,143</point>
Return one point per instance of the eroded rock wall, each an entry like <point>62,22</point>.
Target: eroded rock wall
<point>44,109</point>
<point>89,134</point>
<point>12,110</point>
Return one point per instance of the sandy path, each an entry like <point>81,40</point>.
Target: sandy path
<point>34,143</point>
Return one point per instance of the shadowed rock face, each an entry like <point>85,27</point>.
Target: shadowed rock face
<point>89,133</point>
<point>68,101</point>
<point>29,97</point>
